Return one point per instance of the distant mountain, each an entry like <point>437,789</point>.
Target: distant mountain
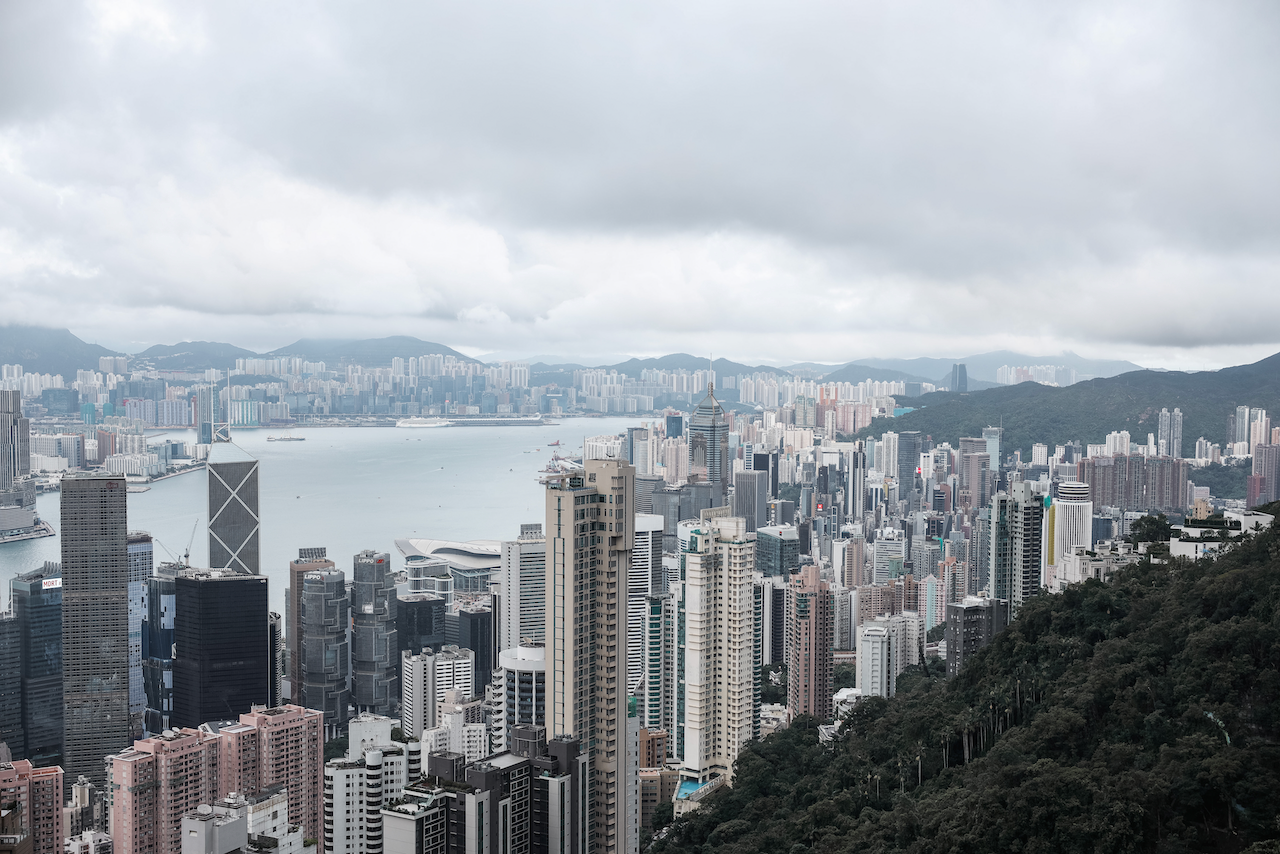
<point>44,350</point>
<point>371,352</point>
<point>195,355</point>
<point>1087,411</point>
<point>983,366</point>
<point>678,361</point>
<point>856,373</point>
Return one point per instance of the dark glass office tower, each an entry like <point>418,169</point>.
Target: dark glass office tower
<point>12,733</point>
<point>420,622</point>
<point>324,651</point>
<point>222,665</point>
<point>157,649</point>
<point>37,604</point>
<point>471,627</point>
<point>233,509</point>
<point>95,624</point>
<point>375,659</point>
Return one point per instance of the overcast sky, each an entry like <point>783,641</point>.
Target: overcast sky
<point>769,181</point>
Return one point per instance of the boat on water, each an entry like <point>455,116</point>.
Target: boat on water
<point>422,422</point>
<point>554,444</point>
<point>286,438</point>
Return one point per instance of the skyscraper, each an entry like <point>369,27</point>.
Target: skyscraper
<point>141,562</point>
<point>233,509</point>
<point>375,658</point>
<point>750,498</point>
<point>95,623</point>
<point>718,660</point>
<point>959,378</point>
<point>37,606</point>
<point>15,450</point>
<point>992,436</point>
<point>1072,520</point>
<point>157,649</point>
<point>12,733</point>
<point>589,543</point>
<point>644,577</point>
<point>323,649</point>
<point>910,444</point>
<point>709,446</point>
<point>309,560</point>
<point>524,582</point>
<point>222,665</point>
<point>1170,435</point>
<point>1017,523</point>
<point>810,630</point>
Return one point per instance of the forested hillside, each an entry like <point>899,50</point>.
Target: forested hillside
<point>1138,715</point>
<point>1088,411</point>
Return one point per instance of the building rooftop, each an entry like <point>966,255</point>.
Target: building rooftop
<point>229,452</point>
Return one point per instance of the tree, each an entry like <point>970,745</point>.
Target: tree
<point>1150,529</point>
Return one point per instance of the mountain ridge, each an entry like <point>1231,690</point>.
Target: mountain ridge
<point>1087,411</point>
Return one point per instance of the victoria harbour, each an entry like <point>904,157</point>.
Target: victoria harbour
<point>349,489</point>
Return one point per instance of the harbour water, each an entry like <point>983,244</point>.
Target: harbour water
<point>352,488</point>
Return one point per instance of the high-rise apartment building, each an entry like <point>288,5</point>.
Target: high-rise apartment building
<point>657,689</point>
<point>95,623</point>
<point>875,661</point>
<point>1017,524</point>
<point>323,647</point>
<point>524,683</point>
<point>523,599</point>
<point>234,526</point>
<point>222,665</point>
<point>709,446</point>
<point>645,576</point>
<point>718,655</point>
<point>37,608</point>
<point>154,783</point>
<point>971,624</point>
<point>141,563</point>
<point>589,542</point>
<point>426,676</point>
<point>35,795</point>
<point>281,746</point>
<point>1170,435</point>
<point>309,560</point>
<point>810,630</point>
<point>158,779</point>
<point>372,774</point>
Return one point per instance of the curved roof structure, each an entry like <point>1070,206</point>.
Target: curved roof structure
<point>473,554</point>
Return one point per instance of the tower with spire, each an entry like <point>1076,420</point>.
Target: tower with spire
<point>709,445</point>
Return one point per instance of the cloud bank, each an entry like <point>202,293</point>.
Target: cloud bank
<point>772,182</point>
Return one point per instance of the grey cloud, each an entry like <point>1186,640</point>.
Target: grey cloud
<point>985,166</point>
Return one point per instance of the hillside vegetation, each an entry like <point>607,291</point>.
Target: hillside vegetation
<point>1088,411</point>
<point>1140,715</point>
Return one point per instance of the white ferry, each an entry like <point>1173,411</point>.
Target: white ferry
<point>422,422</point>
